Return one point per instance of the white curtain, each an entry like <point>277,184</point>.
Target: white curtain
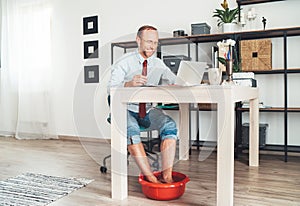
<point>26,72</point>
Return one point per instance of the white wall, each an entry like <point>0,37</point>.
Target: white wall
<point>68,61</point>
<point>118,21</point>
<point>0,30</point>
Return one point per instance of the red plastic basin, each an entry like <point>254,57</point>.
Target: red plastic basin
<point>166,191</point>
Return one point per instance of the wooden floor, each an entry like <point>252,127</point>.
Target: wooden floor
<point>273,183</point>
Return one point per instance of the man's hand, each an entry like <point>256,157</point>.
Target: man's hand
<point>137,80</point>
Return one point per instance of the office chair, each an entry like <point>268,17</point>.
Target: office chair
<point>149,142</point>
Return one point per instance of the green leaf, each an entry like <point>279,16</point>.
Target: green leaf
<point>236,62</point>
<point>226,15</point>
<point>222,60</point>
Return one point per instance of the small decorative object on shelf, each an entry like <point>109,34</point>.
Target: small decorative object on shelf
<point>179,33</point>
<point>226,15</point>
<point>251,16</point>
<point>264,21</point>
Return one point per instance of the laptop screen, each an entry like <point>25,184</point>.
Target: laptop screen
<point>190,73</point>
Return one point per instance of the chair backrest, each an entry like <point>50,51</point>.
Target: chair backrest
<point>108,119</point>
<point>108,100</point>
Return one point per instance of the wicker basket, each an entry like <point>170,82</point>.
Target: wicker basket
<point>256,55</point>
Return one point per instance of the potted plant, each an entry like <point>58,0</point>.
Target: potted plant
<point>226,17</point>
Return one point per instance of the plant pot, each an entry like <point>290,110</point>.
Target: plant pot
<point>229,27</point>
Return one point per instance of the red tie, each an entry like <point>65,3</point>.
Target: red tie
<point>142,106</point>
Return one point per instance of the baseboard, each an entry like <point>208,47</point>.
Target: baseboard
<point>6,134</point>
<point>64,137</point>
<point>83,139</point>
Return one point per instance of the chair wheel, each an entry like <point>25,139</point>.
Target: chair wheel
<point>103,169</point>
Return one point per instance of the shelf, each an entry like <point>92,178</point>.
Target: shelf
<point>269,33</point>
<point>277,71</point>
<point>268,147</point>
<point>283,33</point>
<point>272,109</point>
<point>248,2</point>
<point>281,147</point>
<point>278,148</point>
<point>206,107</point>
<point>257,34</point>
<point>201,107</point>
<point>178,40</point>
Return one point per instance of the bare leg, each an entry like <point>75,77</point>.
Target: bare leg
<point>168,149</point>
<point>139,154</point>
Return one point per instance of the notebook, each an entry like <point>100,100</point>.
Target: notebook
<point>190,73</point>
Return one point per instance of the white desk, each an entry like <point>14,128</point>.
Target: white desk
<point>224,96</point>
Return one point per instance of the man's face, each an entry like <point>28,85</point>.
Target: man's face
<point>147,43</point>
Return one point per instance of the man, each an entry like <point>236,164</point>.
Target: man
<point>133,71</point>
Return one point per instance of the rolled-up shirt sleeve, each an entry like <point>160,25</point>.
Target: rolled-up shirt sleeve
<point>122,71</point>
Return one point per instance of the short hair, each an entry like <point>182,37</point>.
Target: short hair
<point>143,28</point>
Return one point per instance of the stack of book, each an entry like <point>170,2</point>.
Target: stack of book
<point>246,104</point>
<point>244,79</point>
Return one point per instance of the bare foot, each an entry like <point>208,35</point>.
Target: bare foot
<point>153,179</point>
<point>167,179</point>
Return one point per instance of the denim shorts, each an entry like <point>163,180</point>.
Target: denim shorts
<point>155,119</point>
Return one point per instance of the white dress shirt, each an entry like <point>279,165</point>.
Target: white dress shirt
<point>131,64</point>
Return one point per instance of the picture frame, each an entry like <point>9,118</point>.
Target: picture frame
<point>91,74</point>
<point>90,25</point>
<point>90,49</point>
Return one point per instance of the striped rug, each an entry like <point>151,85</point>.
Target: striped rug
<point>37,189</point>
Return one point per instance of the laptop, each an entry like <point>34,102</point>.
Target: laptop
<point>190,73</point>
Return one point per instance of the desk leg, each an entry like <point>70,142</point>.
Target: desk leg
<point>225,153</point>
<point>119,182</point>
<point>254,133</point>
<point>184,132</point>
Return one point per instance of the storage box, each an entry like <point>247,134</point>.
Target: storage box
<point>173,61</point>
<point>262,135</point>
<point>256,55</point>
<point>200,28</point>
